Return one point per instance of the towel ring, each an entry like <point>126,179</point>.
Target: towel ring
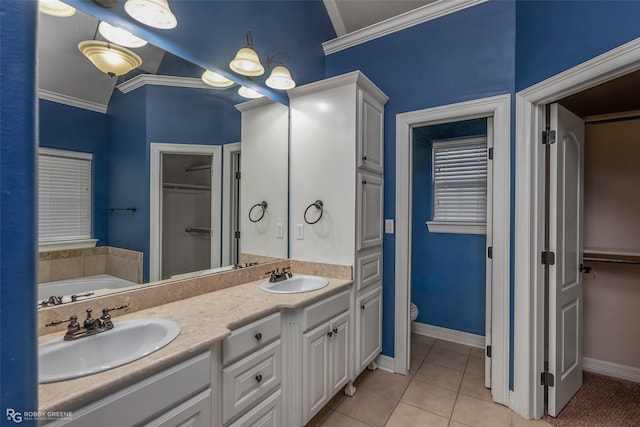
<point>262,205</point>
<point>319,206</point>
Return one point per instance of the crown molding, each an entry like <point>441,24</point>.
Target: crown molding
<point>397,23</point>
<point>159,80</point>
<point>71,101</point>
<point>353,77</point>
<point>254,103</point>
<point>335,17</point>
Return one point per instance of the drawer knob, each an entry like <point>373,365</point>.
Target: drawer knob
<point>364,157</point>
<point>258,378</point>
<point>362,307</point>
<point>258,336</point>
<point>330,334</point>
<point>335,331</point>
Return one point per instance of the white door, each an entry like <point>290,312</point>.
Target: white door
<point>339,352</point>
<point>565,240</point>
<point>489,264</point>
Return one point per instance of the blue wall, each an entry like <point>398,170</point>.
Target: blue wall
<point>156,114</point>
<point>18,143</point>
<point>76,129</point>
<point>448,271</point>
<point>458,57</point>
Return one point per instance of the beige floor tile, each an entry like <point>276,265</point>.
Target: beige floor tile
<point>409,416</point>
<point>518,421</point>
<point>473,385</point>
<point>369,407</point>
<point>320,417</point>
<point>439,375</point>
<point>415,363</point>
<point>418,351</point>
<point>479,413</point>
<point>336,400</point>
<point>477,352</point>
<point>456,424</point>
<point>336,419</point>
<point>430,398</point>
<point>447,358</point>
<point>386,383</point>
<point>452,346</point>
<point>422,340</point>
<point>475,365</point>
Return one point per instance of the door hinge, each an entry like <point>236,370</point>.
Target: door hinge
<point>490,252</point>
<point>488,351</point>
<point>236,234</point>
<point>237,175</point>
<point>548,258</point>
<point>548,137</point>
<point>490,153</point>
<point>546,379</point>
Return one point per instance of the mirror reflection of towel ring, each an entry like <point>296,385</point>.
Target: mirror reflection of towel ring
<point>319,206</point>
<point>263,206</point>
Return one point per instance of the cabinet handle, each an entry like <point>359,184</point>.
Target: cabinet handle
<point>258,336</point>
<point>364,182</point>
<point>362,307</point>
<point>364,157</point>
<point>335,331</point>
<point>258,378</point>
<point>330,334</point>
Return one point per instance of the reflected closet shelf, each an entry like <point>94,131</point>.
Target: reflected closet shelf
<point>175,186</point>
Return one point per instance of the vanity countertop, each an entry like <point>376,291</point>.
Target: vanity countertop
<point>204,319</point>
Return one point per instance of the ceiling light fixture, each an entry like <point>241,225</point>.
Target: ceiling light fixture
<point>216,80</point>
<point>110,59</point>
<point>154,13</point>
<point>280,78</point>
<point>120,36</point>
<point>247,92</point>
<point>246,61</point>
<point>56,8</point>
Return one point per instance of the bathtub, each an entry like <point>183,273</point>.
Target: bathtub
<point>80,285</point>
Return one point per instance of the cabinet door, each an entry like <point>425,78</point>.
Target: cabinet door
<point>370,133</point>
<point>339,347</point>
<point>369,211</point>
<point>315,370</point>
<point>368,327</point>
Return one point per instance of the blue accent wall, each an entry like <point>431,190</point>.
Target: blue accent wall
<point>156,114</point>
<point>448,271</point>
<point>553,36</point>
<point>70,128</point>
<point>18,143</point>
<point>466,55</point>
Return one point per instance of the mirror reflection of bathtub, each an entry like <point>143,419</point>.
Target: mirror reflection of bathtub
<point>81,286</point>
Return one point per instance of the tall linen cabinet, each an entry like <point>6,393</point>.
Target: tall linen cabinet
<point>336,156</point>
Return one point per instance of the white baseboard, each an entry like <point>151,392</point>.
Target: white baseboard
<point>386,363</point>
<point>609,369</point>
<point>446,334</point>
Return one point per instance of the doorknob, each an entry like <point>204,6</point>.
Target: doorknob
<point>584,269</point>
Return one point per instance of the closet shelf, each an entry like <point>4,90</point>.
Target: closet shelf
<point>620,256</point>
<point>197,168</point>
<point>200,230</point>
<point>176,186</point>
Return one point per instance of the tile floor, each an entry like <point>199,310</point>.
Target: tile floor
<point>444,388</point>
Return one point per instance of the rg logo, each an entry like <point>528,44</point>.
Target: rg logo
<point>13,415</point>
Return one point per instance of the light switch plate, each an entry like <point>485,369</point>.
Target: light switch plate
<point>279,230</point>
<point>300,231</point>
<point>388,226</point>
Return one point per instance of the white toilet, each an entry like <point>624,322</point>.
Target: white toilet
<point>413,312</point>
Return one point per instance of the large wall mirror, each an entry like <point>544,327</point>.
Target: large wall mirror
<point>183,177</point>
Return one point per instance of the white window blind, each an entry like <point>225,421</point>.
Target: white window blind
<point>64,195</point>
<point>460,180</point>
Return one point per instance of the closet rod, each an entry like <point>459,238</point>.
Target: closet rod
<point>197,168</point>
<point>613,260</point>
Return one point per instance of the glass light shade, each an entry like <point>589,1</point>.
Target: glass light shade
<point>247,63</point>
<point>120,36</point>
<point>247,92</point>
<point>216,80</point>
<point>56,8</point>
<point>154,13</point>
<point>110,59</point>
<point>280,78</point>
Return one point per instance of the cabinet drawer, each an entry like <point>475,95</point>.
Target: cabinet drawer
<point>246,382</point>
<point>195,412</point>
<point>266,414</point>
<point>368,270</point>
<point>325,310</point>
<point>250,338</point>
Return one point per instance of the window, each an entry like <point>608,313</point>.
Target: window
<point>64,196</point>
<point>459,186</point>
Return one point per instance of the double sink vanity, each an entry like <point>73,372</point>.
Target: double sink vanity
<point>263,352</point>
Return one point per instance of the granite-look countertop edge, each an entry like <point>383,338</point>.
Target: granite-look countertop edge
<point>204,320</point>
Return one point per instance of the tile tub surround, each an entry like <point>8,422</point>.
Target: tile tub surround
<point>204,319</point>
<point>73,263</point>
<point>168,291</point>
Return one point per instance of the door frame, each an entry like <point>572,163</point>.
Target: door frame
<point>228,151</point>
<point>528,354</point>
<point>155,197</point>
<point>498,107</point>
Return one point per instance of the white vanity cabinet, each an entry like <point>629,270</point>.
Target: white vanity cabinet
<point>337,156</point>
<point>252,374</point>
<point>179,396</point>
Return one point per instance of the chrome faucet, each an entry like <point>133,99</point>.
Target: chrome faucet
<point>90,326</point>
<point>279,276</point>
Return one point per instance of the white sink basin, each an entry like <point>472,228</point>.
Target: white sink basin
<point>295,284</point>
<point>129,340</point>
